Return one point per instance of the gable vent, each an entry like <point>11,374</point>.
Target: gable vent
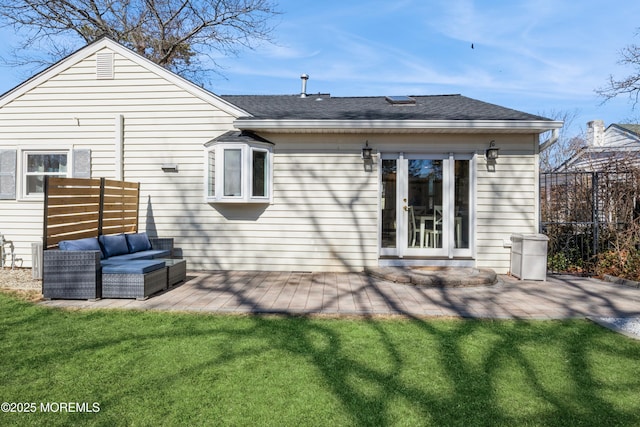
<point>104,65</point>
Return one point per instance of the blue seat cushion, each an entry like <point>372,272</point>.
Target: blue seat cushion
<point>155,253</point>
<point>150,254</point>
<point>114,245</point>
<point>87,244</point>
<point>138,242</point>
<point>139,266</point>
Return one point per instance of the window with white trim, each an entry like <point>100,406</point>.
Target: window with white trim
<point>38,164</point>
<point>239,172</point>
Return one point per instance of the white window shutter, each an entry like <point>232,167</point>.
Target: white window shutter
<point>8,161</point>
<point>81,163</point>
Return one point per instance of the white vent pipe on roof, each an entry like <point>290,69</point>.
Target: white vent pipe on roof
<point>303,93</point>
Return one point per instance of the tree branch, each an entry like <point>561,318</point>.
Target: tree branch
<point>169,32</point>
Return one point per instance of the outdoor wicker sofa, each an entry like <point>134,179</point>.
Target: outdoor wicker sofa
<point>92,268</point>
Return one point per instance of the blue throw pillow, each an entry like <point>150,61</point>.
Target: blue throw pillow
<point>87,244</point>
<point>138,242</point>
<point>114,245</point>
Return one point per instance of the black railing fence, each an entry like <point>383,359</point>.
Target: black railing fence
<point>585,214</point>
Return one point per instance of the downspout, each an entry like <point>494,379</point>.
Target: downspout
<point>546,144</point>
<point>538,210</point>
<point>549,142</point>
<point>119,147</point>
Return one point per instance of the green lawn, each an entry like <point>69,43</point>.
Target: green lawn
<point>147,368</point>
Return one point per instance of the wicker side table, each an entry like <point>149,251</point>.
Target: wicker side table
<point>176,271</point>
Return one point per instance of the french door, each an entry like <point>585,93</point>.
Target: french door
<point>427,205</point>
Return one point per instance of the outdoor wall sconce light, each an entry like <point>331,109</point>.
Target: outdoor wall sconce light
<point>366,151</point>
<point>170,167</point>
<point>492,151</point>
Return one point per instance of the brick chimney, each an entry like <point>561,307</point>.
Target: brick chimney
<point>595,133</point>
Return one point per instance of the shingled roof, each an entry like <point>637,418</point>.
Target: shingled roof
<point>632,128</point>
<point>325,107</point>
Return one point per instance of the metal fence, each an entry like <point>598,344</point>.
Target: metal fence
<point>587,213</point>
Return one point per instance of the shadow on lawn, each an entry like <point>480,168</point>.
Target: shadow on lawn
<point>470,362</point>
<point>438,373</point>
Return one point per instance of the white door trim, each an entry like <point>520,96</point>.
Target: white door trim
<point>448,249</point>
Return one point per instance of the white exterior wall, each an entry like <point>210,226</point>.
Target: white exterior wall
<point>507,201</point>
<point>323,215</point>
<point>325,210</point>
<point>162,123</point>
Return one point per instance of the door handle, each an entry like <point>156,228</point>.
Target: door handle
<point>405,208</point>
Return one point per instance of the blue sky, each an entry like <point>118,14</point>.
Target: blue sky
<point>538,56</point>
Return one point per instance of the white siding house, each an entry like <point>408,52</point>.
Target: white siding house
<point>274,182</point>
<point>615,147</point>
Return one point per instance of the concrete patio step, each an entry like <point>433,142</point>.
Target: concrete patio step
<point>441,277</point>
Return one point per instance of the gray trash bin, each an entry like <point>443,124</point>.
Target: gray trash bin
<point>529,256</point>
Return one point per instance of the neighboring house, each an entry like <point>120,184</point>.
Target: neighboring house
<point>614,148</point>
<point>274,182</point>
<point>598,183</point>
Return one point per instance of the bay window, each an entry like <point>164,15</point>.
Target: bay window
<point>238,172</point>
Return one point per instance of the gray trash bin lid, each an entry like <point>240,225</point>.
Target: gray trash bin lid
<point>536,236</point>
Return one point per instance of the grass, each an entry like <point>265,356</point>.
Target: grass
<point>149,368</point>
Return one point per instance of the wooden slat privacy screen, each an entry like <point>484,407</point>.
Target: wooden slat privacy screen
<point>75,208</point>
<point>119,207</point>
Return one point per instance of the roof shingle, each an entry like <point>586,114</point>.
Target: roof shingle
<point>325,107</point>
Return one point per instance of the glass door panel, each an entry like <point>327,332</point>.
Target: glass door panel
<point>388,203</point>
<point>425,202</point>
<point>462,205</point>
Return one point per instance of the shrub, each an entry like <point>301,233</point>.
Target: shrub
<point>624,264</point>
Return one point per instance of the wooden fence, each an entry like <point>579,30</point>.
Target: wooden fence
<point>75,208</point>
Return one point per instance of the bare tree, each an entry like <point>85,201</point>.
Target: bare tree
<point>176,34</point>
<point>630,85</point>
<point>553,155</point>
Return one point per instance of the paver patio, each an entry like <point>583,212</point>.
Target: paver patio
<point>559,297</point>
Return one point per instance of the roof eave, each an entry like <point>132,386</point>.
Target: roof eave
<point>414,126</point>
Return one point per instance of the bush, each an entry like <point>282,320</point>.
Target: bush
<point>624,264</point>
<point>557,262</point>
